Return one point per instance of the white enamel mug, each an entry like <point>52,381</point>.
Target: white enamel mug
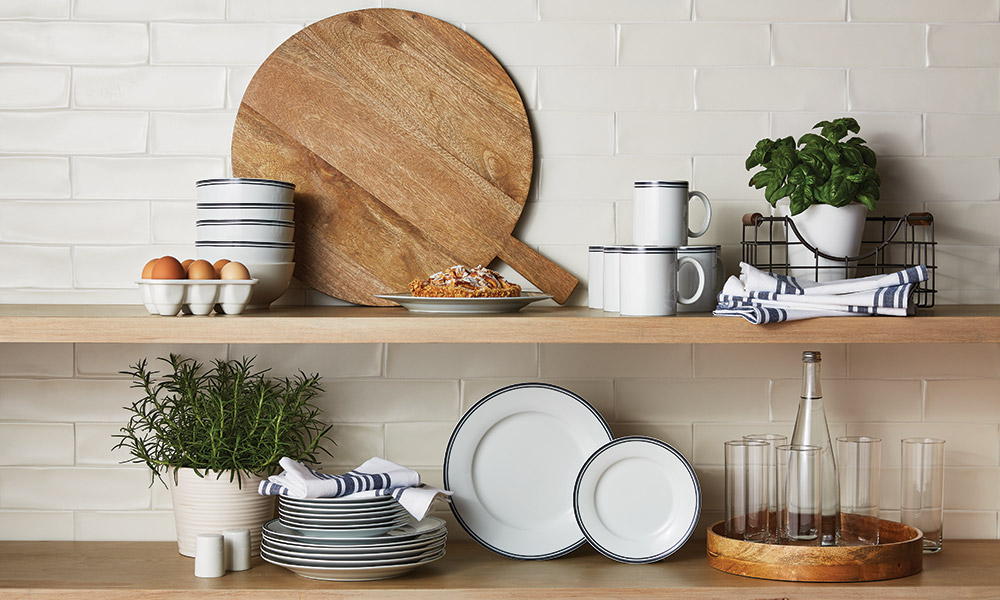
<point>595,277</point>
<point>710,259</point>
<point>648,281</point>
<point>610,278</point>
<point>660,213</point>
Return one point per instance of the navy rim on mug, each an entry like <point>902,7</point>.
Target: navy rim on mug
<point>661,184</point>
<point>634,559</point>
<point>596,248</point>
<point>451,443</point>
<point>246,181</point>
<point>648,249</point>
<point>698,249</point>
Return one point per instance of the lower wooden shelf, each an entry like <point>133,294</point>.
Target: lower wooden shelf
<point>137,570</point>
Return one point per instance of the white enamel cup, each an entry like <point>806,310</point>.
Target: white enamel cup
<point>710,259</point>
<point>660,213</point>
<point>648,281</point>
<point>595,277</point>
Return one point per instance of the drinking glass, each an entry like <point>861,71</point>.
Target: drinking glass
<point>800,499</point>
<point>746,504</point>
<point>860,463</point>
<point>770,478</point>
<point>921,499</point>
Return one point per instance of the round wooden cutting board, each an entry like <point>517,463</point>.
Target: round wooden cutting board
<point>409,147</point>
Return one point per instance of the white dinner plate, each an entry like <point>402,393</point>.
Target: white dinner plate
<point>430,525</point>
<point>511,463</point>
<point>637,500</point>
<point>464,305</point>
<point>318,531</point>
<point>351,573</point>
<point>357,560</point>
<point>317,550</point>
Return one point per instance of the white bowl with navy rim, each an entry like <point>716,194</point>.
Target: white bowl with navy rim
<point>245,251</point>
<point>256,230</point>
<point>637,500</point>
<point>246,210</point>
<point>242,190</point>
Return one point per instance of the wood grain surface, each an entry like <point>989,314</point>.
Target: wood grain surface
<point>409,147</point>
<point>898,554</point>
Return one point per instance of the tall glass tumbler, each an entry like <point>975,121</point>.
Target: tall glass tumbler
<point>860,465</point>
<point>746,504</point>
<point>921,499</point>
<point>770,478</point>
<point>800,499</point>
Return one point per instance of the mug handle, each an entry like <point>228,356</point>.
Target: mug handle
<point>701,280</point>
<point>708,212</point>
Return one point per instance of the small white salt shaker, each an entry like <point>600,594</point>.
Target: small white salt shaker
<point>237,549</point>
<point>209,555</point>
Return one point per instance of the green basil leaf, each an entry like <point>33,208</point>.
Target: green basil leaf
<point>832,154</point>
<point>867,200</point>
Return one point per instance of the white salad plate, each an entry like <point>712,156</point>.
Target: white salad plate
<point>351,573</point>
<point>337,512</point>
<point>408,532</point>
<point>637,500</point>
<point>345,502</point>
<point>341,520</point>
<point>388,550</point>
<point>511,463</point>
<point>324,524</point>
<point>420,304</point>
<point>352,564</point>
<point>353,560</point>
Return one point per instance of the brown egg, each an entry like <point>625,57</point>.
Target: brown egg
<point>201,269</point>
<point>168,267</point>
<point>235,270</point>
<point>219,264</point>
<point>187,263</point>
<point>147,271</point>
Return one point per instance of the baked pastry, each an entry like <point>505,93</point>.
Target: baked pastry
<point>462,282</point>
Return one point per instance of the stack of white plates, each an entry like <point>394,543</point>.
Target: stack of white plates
<point>339,539</point>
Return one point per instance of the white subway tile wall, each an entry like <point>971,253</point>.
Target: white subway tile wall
<point>111,109</point>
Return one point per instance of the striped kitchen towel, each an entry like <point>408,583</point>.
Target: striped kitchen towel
<point>375,477</point>
<point>761,297</point>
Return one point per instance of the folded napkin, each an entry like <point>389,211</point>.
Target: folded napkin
<point>376,477</point>
<point>761,297</point>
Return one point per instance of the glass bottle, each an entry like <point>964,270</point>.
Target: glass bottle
<point>811,429</point>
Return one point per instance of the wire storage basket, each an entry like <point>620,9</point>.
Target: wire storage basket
<point>889,244</point>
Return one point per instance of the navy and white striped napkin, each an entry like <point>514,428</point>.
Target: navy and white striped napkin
<point>761,297</point>
<point>375,477</point>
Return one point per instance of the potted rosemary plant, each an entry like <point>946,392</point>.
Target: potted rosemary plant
<point>826,185</point>
<point>216,433</point>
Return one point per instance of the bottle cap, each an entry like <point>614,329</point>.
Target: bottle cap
<point>812,356</point>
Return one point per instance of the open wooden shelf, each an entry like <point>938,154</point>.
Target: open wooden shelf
<point>111,323</point>
<point>147,570</point>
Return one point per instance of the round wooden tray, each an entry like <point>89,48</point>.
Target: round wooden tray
<point>899,554</point>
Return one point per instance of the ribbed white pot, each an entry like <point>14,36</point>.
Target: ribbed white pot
<point>210,505</point>
<point>833,230</point>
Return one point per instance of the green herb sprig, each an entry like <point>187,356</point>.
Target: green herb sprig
<point>821,169</point>
<point>226,419</point>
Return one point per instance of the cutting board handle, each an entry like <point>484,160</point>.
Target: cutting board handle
<point>547,275</point>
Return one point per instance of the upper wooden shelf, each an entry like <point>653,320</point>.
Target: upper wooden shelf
<point>154,570</point>
<point>350,324</point>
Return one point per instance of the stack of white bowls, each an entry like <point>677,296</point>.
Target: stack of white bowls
<point>249,221</point>
<point>350,539</point>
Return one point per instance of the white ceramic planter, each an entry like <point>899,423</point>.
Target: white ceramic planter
<point>833,230</point>
<point>210,505</point>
